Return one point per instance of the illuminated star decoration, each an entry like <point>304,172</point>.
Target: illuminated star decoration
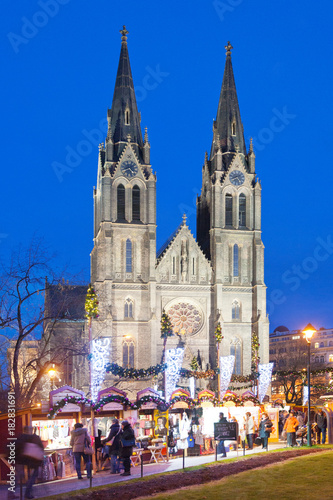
<point>265,377</point>
<point>99,361</point>
<point>226,369</point>
<point>174,360</point>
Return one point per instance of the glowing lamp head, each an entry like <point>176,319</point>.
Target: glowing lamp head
<point>52,373</point>
<point>308,332</point>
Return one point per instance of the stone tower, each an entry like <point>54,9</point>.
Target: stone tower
<point>229,230</point>
<point>124,254</point>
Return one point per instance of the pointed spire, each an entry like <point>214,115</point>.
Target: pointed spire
<point>124,118</point>
<point>228,124</point>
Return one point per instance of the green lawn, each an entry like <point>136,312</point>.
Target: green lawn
<point>308,478</point>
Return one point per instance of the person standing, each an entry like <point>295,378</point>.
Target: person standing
<point>321,421</point>
<point>114,447</point>
<point>265,428</point>
<point>291,426</point>
<point>127,440</point>
<point>30,452</point>
<point>221,447</point>
<point>80,437</point>
<point>249,429</point>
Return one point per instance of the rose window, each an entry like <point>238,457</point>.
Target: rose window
<point>185,318</point>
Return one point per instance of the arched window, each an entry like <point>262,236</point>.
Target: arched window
<point>322,344</point>
<point>317,359</point>
<point>120,202</point>
<point>128,312</point>
<point>242,210</point>
<point>330,343</point>
<point>322,359</point>
<point>235,267</point>
<point>228,210</point>
<point>236,350</point>
<point>128,256</point>
<point>127,117</point>
<point>235,310</point>
<point>136,203</point>
<point>173,265</point>
<point>128,352</point>
<point>233,128</point>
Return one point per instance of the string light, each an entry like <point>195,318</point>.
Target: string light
<point>265,377</point>
<point>99,360</point>
<point>174,360</point>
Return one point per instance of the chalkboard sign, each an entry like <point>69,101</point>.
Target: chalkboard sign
<point>226,430</point>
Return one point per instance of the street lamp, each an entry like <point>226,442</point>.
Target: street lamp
<point>308,332</point>
<point>52,373</point>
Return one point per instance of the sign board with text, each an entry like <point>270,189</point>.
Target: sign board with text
<point>226,430</point>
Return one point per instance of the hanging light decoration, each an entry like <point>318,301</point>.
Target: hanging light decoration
<point>99,360</point>
<point>265,377</point>
<point>174,360</point>
<point>226,369</point>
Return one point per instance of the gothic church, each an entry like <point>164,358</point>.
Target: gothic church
<point>216,276</point>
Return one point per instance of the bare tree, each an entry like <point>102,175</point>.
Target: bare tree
<point>35,301</point>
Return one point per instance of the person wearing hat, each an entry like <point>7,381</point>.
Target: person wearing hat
<point>114,447</point>
<point>79,436</point>
<point>291,426</point>
<point>127,440</point>
<point>265,428</point>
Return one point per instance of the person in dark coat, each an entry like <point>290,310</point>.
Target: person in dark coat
<point>23,456</point>
<point>221,447</point>
<point>114,448</point>
<point>265,428</point>
<point>127,440</point>
<point>321,421</point>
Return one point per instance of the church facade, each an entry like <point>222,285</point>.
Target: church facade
<point>217,276</point>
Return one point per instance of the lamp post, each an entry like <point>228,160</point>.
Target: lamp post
<point>308,332</point>
<point>52,373</point>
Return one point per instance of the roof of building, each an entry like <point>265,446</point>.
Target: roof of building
<point>64,301</point>
<point>124,100</point>
<point>228,125</point>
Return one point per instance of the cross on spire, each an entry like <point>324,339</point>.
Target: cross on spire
<point>124,33</point>
<point>228,48</point>
<point>184,219</point>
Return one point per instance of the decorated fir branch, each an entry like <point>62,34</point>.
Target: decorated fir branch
<point>132,373</point>
<point>194,364</point>
<point>255,351</point>
<point>166,332</point>
<point>91,303</point>
<point>218,333</point>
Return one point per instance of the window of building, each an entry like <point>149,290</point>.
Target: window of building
<point>128,256</point>
<point>330,343</point>
<point>233,128</point>
<point>236,350</point>
<point>127,117</point>
<point>120,202</point>
<point>128,352</point>
<point>242,210</point>
<point>228,210</point>
<point>317,359</point>
<point>322,359</point>
<point>128,312</point>
<point>321,344</point>
<point>316,345</point>
<point>136,203</point>
<point>236,252</point>
<point>272,351</point>
<point>296,337</point>
<point>330,358</point>
<point>235,310</point>
<point>282,350</point>
<point>173,265</point>
<point>193,265</point>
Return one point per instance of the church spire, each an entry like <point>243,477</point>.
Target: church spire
<point>228,128</point>
<point>123,117</point>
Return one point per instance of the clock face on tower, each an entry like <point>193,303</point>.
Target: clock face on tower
<point>129,168</point>
<point>236,177</point>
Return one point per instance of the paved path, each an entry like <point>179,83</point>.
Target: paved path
<point>62,486</point>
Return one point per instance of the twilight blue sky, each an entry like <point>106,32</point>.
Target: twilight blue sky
<point>59,60</point>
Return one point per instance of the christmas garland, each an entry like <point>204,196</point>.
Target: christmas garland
<point>132,373</point>
<point>136,405</point>
<point>302,373</point>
